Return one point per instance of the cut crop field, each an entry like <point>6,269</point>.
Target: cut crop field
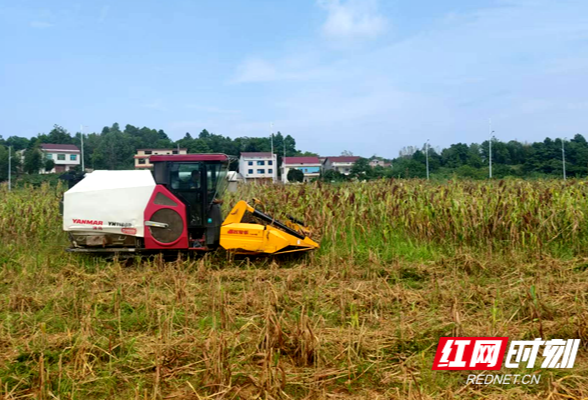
<point>401,264</point>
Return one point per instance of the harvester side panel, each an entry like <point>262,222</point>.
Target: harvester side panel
<point>167,216</point>
<point>108,202</point>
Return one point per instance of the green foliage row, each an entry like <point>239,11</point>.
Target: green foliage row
<point>114,147</point>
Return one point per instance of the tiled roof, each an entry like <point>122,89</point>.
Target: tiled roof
<point>182,148</point>
<point>67,147</point>
<point>258,154</point>
<point>343,159</point>
<point>301,160</point>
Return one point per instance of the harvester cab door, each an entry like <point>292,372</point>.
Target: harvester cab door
<point>187,182</point>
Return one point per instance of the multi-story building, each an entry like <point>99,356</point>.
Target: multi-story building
<point>258,167</point>
<point>142,156</point>
<point>341,164</point>
<point>65,157</point>
<point>310,167</point>
<point>377,162</point>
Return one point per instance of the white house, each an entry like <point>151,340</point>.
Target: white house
<point>142,156</point>
<point>376,162</point>
<point>65,157</point>
<point>258,167</point>
<point>310,167</point>
<point>341,164</point>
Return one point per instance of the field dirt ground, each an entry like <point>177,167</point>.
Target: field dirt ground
<point>401,264</point>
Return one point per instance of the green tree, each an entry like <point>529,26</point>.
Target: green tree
<point>204,134</point>
<point>295,175</point>
<point>306,154</point>
<point>474,159</point>
<point>408,168</point>
<point>15,163</point>
<point>17,143</point>
<point>3,163</point>
<point>185,142</point>
<point>115,150</point>
<point>33,160</point>
<point>199,146</point>
<point>58,135</point>
<point>455,156</point>
<point>332,175</point>
<point>361,169</point>
<point>49,165</point>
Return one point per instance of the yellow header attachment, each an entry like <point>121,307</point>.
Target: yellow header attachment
<point>274,238</point>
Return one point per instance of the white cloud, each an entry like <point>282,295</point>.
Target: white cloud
<point>155,105</point>
<point>284,69</point>
<point>212,110</point>
<point>352,20</point>
<point>41,25</point>
<point>104,13</point>
<point>255,70</point>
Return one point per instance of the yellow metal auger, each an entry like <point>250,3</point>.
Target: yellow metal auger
<point>275,238</point>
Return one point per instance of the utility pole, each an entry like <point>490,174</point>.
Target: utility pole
<point>82,145</point>
<point>272,137</point>
<point>284,175</point>
<point>272,151</point>
<point>427,157</point>
<point>9,167</point>
<point>490,147</point>
<point>563,158</point>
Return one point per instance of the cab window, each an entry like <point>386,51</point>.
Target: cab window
<point>185,176</point>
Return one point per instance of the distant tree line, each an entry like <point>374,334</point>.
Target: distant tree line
<point>113,148</point>
<point>513,158</point>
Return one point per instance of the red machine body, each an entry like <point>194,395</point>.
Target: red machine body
<point>163,202</point>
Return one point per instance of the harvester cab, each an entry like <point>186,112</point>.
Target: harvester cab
<point>175,208</point>
<point>199,182</point>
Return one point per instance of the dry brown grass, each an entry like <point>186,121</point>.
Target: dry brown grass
<point>351,324</point>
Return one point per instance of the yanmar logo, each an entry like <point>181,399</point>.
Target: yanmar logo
<point>237,232</point>
<point>87,222</point>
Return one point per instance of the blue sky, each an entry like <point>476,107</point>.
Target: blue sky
<point>361,75</point>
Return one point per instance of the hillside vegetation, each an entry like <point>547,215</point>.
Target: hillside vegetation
<point>401,264</point>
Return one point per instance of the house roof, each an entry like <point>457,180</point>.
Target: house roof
<point>301,160</point>
<point>189,157</point>
<point>257,154</point>
<point>343,159</point>
<point>64,147</point>
<point>182,148</point>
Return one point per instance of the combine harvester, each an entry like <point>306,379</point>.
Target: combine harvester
<point>175,208</point>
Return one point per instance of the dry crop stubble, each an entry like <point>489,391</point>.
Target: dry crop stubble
<point>401,263</point>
